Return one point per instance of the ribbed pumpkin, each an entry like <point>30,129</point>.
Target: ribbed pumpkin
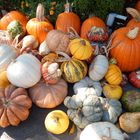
<point>13,15</point>
<point>39,26</point>
<point>126,48</point>
<point>68,19</point>
<point>113,75</point>
<point>73,70</point>
<point>80,49</point>
<point>3,80</point>
<point>89,23</point>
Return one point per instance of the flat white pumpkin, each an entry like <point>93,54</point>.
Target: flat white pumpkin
<point>7,54</point>
<point>24,71</point>
<point>87,86</point>
<point>98,67</point>
<point>101,131</point>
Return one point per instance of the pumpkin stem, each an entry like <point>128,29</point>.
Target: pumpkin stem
<point>66,57</point>
<point>132,34</point>
<point>83,42</point>
<point>56,119</point>
<point>40,12</point>
<point>67,7</point>
<point>134,13</point>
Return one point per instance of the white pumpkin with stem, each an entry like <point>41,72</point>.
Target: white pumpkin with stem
<point>88,86</point>
<point>98,67</point>
<point>24,71</point>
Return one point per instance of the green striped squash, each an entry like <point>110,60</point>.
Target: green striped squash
<point>74,70</point>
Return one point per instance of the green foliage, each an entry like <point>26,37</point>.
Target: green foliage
<point>83,8</point>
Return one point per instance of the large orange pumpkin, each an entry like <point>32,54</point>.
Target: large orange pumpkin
<point>137,6</point>
<point>68,19</point>
<point>89,23</point>
<point>11,16</point>
<point>39,26</point>
<point>126,48</point>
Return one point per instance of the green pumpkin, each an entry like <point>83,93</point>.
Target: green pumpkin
<point>131,101</point>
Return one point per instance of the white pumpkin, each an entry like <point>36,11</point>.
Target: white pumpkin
<point>87,86</point>
<point>98,67</point>
<point>24,71</point>
<point>101,131</point>
<point>7,54</point>
<point>43,49</point>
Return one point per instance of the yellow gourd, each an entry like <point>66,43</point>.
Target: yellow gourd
<point>80,49</point>
<point>112,91</point>
<point>113,75</point>
<point>57,122</point>
<point>3,80</point>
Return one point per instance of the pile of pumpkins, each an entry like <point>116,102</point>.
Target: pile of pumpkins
<point>37,62</point>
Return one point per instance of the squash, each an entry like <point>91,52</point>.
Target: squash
<point>131,101</point>
<point>101,131</point>
<point>39,26</point>
<point>3,80</point>
<point>8,53</point>
<point>68,19</point>
<point>73,70</point>
<point>48,96</point>
<point>134,78</point>
<point>87,85</point>
<point>13,15</point>
<point>130,122</point>
<point>51,72</point>
<point>84,109</point>
<point>43,49</point>
<point>112,91</point>
<point>111,109</point>
<point>98,67</point>
<point>24,71</point>
<point>89,23</point>
<point>113,75</point>
<point>57,122</point>
<point>15,105</point>
<point>80,49</point>
<point>126,41</point>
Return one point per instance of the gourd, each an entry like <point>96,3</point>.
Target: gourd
<point>3,80</point>
<point>130,122</point>
<point>24,71</point>
<point>48,95</point>
<point>89,23</point>
<point>131,101</point>
<point>68,19</point>
<point>13,15</point>
<point>73,70</point>
<point>113,75</point>
<point>112,91</point>
<point>126,41</point>
<point>84,109</point>
<point>98,67</point>
<point>51,72</point>
<point>57,122</point>
<point>87,85</point>
<point>101,131</point>
<point>80,49</point>
<point>43,49</point>
<point>39,26</point>
<point>15,105</point>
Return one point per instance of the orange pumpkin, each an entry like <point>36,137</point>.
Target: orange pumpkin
<point>68,19</point>
<point>11,16</point>
<point>137,6</point>
<point>89,23</point>
<point>39,26</point>
<point>126,48</point>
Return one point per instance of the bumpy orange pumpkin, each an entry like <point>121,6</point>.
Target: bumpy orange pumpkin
<point>126,48</point>
<point>89,23</point>
<point>13,15</point>
<point>80,49</point>
<point>68,19</point>
<point>39,26</point>
<point>14,105</point>
<point>113,75</point>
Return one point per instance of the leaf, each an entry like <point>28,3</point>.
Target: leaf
<point>72,129</point>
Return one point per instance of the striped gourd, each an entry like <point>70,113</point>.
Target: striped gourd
<point>74,70</point>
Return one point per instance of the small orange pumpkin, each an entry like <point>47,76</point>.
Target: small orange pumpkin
<point>89,23</point>
<point>68,19</point>
<point>39,26</point>
<point>11,16</point>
